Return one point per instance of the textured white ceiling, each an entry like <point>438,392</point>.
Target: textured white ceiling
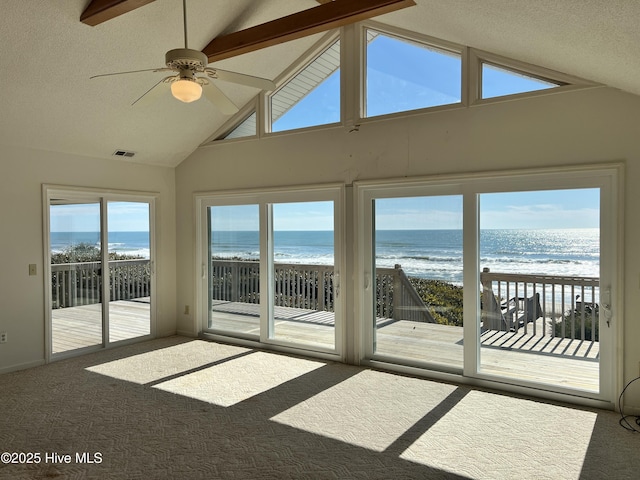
<point>47,101</point>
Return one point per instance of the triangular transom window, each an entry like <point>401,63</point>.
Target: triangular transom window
<point>246,128</point>
<point>312,96</point>
<point>500,81</point>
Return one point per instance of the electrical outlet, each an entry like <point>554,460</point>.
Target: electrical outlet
<point>3,337</point>
<point>186,309</point>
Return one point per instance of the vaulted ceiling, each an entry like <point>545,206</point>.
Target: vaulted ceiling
<point>48,102</point>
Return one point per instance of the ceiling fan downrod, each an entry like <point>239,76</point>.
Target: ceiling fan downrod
<point>184,16</point>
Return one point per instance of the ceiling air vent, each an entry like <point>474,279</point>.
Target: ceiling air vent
<point>123,153</point>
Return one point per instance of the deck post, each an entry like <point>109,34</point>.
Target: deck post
<point>397,293</point>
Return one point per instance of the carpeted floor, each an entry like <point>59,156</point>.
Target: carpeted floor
<point>178,408</point>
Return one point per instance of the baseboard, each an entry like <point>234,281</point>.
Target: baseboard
<point>185,333</point>
<point>21,366</point>
<point>168,333</point>
<point>629,410</point>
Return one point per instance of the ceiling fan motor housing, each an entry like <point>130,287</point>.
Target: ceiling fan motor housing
<point>186,59</point>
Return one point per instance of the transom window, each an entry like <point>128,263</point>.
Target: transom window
<point>246,128</point>
<point>400,73</point>
<point>312,96</point>
<point>404,75</point>
<point>500,81</point>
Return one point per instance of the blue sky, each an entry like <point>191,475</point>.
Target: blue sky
<point>85,217</point>
<point>551,209</point>
<point>554,209</point>
<point>577,208</point>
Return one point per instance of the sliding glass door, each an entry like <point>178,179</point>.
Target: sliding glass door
<point>271,267</point>
<point>494,278</point>
<point>101,271</point>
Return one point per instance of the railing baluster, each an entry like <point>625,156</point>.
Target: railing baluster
<point>553,310</point>
<point>582,313</point>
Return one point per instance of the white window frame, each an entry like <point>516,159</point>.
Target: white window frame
<point>264,198</point>
<point>607,177</point>
<point>479,57</point>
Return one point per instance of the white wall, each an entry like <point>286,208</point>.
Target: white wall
<point>587,126</point>
<point>22,173</point>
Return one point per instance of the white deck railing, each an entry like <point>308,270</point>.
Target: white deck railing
<point>569,306</point>
<point>296,285</point>
<point>74,284</point>
<point>311,287</point>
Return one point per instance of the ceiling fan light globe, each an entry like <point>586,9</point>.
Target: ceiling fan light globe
<point>186,91</point>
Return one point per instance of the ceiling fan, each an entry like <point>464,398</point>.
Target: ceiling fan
<point>193,77</point>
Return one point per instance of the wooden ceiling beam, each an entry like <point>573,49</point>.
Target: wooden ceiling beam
<point>99,11</point>
<point>327,16</point>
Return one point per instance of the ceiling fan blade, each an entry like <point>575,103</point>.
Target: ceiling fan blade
<point>162,69</point>
<point>219,99</point>
<point>152,94</point>
<point>242,79</point>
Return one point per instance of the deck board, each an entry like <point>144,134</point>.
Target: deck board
<point>80,327</point>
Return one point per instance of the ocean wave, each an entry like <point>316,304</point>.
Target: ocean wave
<point>543,261</point>
<point>419,258</point>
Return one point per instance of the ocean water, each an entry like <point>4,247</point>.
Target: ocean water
<point>437,254</point>
<point>130,243</point>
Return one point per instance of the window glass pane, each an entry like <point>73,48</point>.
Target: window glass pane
<point>303,265</point>
<point>418,259</point>
<point>234,275</point>
<point>76,275</point>
<point>540,268</point>
<point>310,98</point>
<point>129,270</point>
<point>497,82</point>
<point>247,128</point>
<point>402,75</point>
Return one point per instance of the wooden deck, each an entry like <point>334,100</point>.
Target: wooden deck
<point>79,327</point>
<point>526,356</point>
<point>537,358</point>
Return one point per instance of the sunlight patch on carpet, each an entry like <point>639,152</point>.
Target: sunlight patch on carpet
<point>371,409</point>
<point>162,363</point>
<point>506,438</point>
<point>239,379</point>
